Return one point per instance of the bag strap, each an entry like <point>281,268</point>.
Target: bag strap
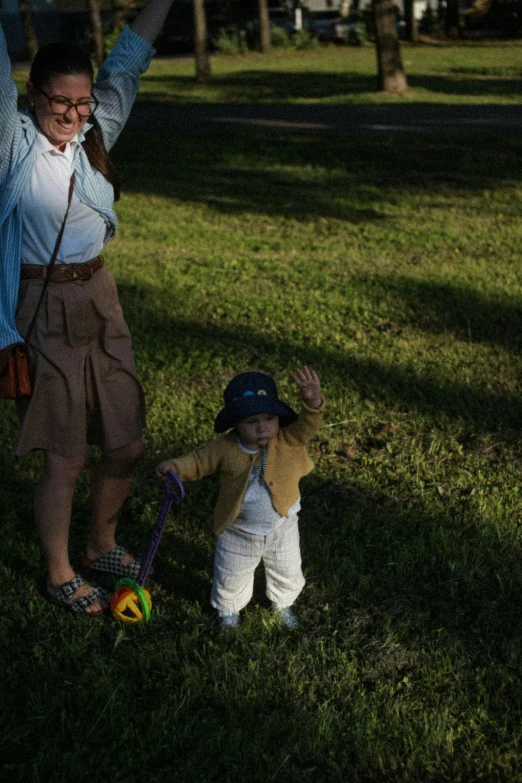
<point>53,257</point>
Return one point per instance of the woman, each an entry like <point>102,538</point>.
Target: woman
<point>85,389</point>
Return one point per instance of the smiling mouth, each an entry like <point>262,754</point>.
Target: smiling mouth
<point>66,124</point>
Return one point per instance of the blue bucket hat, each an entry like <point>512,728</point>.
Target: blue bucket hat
<point>248,394</point>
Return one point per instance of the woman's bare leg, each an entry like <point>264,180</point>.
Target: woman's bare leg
<point>111,486</point>
<point>52,510</point>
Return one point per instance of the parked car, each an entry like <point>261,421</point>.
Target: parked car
<point>278,17</point>
<point>322,24</point>
<point>350,30</point>
<point>353,29</point>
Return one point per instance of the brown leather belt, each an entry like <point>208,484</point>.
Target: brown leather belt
<point>62,273</point>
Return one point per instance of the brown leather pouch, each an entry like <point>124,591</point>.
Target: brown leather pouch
<point>15,379</point>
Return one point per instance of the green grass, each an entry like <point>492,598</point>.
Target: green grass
<point>447,74</point>
<point>467,73</point>
<point>392,266</point>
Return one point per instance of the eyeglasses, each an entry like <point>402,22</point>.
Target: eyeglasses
<point>60,105</point>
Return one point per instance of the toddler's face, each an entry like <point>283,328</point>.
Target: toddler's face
<point>256,431</point>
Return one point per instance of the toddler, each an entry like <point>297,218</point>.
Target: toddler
<point>260,462</point>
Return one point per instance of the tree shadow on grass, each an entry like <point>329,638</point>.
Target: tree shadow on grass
<point>438,307</point>
<point>259,85</point>
<point>271,85</point>
<point>405,595</point>
<point>410,615</point>
<point>168,339</point>
<point>411,591</point>
<point>432,562</point>
<point>162,340</point>
<point>233,190</point>
<point>239,174</point>
<point>304,177</point>
<point>457,85</point>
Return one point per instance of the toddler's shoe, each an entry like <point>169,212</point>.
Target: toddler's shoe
<point>287,617</point>
<point>229,621</point>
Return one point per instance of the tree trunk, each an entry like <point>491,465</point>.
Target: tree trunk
<point>203,74</point>
<point>96,30</point>
<point>31,40</point>
<point>452,19</point>
<point>410,21</point>
<point>391,77</point>
<point>264,25</point>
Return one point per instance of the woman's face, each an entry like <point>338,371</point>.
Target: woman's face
<point>61,128</point>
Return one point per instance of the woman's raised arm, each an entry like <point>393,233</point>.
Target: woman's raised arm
<point>151,18</point>
<point>9,121</point>
<point>119,77</point>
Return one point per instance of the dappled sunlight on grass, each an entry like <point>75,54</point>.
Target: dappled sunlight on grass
<point>391,265</point>
<point>466,73</point>
<point>483,74</point>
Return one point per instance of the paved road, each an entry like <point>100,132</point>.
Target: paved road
<point>467,119</point>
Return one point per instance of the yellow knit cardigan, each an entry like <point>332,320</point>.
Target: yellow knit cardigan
<point>287,461</point>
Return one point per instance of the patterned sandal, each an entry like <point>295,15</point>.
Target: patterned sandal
<point>61,596</point>
<point>112,563</point>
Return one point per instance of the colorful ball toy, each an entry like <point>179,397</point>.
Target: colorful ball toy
<point>131,603</point>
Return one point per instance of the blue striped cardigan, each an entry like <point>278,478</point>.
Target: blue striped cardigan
<point>116,87</point>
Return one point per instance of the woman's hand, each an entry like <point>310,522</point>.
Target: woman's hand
<point>309,386</point>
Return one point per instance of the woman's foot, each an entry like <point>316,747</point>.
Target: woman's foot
<point>78,596</point>
<point>116,561</point>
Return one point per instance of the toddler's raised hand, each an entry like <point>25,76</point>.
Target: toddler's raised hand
<point>309,386</point>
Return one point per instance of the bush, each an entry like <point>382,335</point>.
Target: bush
<point>368,20</point>
<point>251,35</point>
<point>357,35</point>
<point>431,24</point>
<point>304,39</point>
<point>110,36</point>
<point>230,41</point>
<point>279,38</point>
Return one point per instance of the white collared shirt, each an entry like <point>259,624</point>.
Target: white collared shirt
<point>115,88</point>
<point>257,515</point>
<point>43,205</point>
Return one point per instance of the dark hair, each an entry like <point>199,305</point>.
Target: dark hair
<point>68,58</point>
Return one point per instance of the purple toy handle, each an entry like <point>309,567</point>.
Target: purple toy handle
<point>174,490</point>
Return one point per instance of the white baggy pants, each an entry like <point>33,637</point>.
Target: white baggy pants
<point>237,556</point>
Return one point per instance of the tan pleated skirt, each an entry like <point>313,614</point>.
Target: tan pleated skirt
<point>85,387</point>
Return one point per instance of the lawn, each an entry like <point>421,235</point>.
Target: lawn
<point>467,73</point>
<point>472,73</point>
<point>392,266</point>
